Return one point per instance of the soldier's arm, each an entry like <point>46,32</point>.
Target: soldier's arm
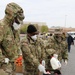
<point>42,45</point>
<point>1,38</point>
<point>27,55</point>
<point>17,40</point>
<point>1,33</point>
<point>65,51</point>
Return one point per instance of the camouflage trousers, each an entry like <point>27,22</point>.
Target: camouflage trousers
<point>7,69</point>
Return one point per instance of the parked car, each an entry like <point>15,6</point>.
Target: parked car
<point>72,34</point>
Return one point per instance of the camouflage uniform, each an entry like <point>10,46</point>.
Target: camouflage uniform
<point>8,44</point>
<point>64,47</point>
<point>60,47</point>
<point>33,53</point>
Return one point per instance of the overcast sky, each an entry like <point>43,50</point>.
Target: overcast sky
<point>53,12</point>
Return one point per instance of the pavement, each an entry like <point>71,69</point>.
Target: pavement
<point>69,69</point>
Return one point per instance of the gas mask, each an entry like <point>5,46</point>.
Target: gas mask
<point>34,37</point>
<point>16,26</point>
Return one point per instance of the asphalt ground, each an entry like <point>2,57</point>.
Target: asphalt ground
<point>69,69</point>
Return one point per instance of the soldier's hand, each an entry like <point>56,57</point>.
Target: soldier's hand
<point>66,62</point>
<point>6,60</point>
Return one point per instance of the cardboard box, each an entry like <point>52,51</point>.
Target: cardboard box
<point>19,65</point>
<point>19,69</point>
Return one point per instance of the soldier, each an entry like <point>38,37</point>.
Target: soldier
<point>33,51</point>
<point>57,43</point>
<point>9,42</point>
<point>60,47</point>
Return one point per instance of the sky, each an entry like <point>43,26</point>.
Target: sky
<point>52,12</point>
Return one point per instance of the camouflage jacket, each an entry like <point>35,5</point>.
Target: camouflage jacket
<point>33,53</point>
<point>8,43</point>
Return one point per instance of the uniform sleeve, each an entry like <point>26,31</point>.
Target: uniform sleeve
<point>42,44</point>
<point>1,38</point>
<point>27,55</point>
<point>17,39</point>
<point>65,50</point>
<point>1,33</point>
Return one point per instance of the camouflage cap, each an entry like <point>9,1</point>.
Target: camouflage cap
<point>58,33</point>
<point>12,9</point>
<point>50,51</point>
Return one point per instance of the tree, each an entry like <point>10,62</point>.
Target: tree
<point>44,28</point>
<point>23,29</point>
